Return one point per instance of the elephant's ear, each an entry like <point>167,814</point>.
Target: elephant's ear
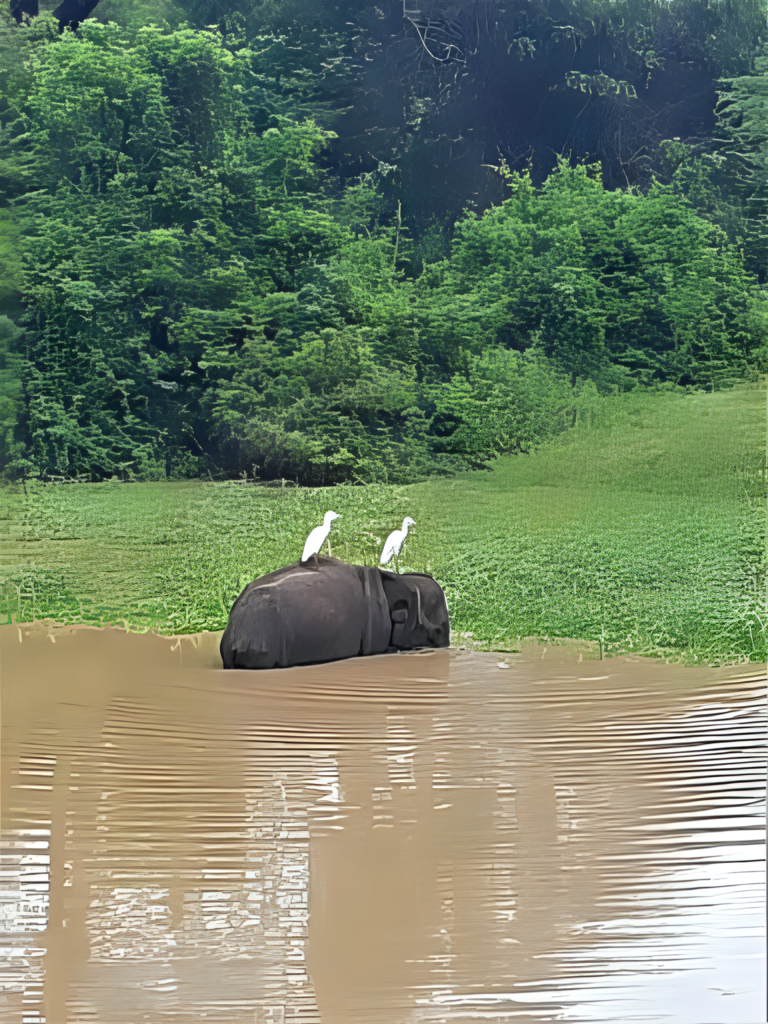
<point>417,592</point>
<point>404,601</point>
<point>377,629</point>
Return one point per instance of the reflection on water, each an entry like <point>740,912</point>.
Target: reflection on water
<point>400,839</point>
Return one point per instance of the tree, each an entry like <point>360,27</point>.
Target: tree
<point>596,278</point>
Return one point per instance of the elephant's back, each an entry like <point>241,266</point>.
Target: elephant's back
<point>297,616</point>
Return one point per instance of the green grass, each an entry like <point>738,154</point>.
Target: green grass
<point>642,530</point>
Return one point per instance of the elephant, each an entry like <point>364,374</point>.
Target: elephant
<point>299,615</point>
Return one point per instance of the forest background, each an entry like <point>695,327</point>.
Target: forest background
<point>335,242</point>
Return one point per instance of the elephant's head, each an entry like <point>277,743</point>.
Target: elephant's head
<point>418,610</point>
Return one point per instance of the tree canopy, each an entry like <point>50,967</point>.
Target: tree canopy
<point>214,263</point>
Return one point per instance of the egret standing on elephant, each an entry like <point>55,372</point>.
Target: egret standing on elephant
<point>316,539</point>
<point>394,542</point>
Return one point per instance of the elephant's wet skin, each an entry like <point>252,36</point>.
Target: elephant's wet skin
<point>298,615</point>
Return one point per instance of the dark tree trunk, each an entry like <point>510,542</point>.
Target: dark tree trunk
<point>23,8</point>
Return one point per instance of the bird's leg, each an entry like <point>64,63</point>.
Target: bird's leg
<point>317,564</point>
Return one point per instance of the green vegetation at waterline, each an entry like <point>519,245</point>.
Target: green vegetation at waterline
<point>642,529</point>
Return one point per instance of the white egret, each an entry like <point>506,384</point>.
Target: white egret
<point>316,539</point>
<point>394,542</point>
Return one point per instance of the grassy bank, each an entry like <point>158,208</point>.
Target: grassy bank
<point>642,529</point>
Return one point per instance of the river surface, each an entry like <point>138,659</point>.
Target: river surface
<point>389,840</point>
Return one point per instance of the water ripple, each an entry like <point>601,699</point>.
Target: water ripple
<point>391,840</point>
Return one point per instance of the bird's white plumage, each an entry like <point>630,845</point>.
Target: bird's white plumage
<point>395,541</point>
<point>317,537</point>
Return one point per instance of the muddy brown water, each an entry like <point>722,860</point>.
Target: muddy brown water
<point>389,840</point>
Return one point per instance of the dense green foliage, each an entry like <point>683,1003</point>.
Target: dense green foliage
<point>606,283</point>
<point>196,284</point>
<point>641,529</point>
<point>437,90</point>
<point>742,138</point>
